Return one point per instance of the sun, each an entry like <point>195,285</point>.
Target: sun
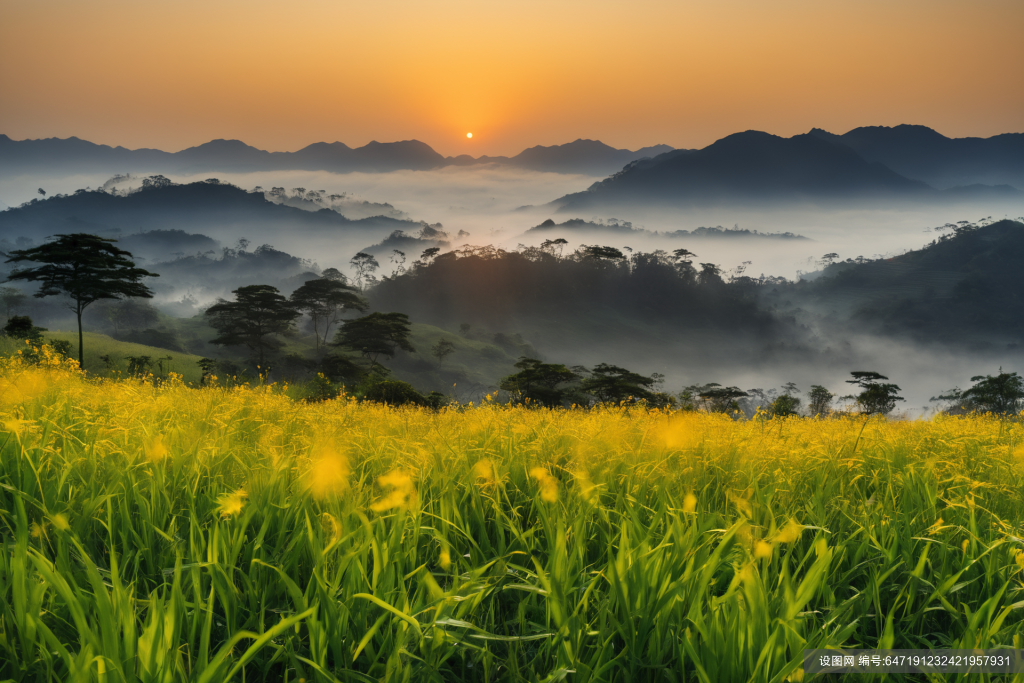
<point>469,135</point>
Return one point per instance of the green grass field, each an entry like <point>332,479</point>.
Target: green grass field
<point>166,533</point>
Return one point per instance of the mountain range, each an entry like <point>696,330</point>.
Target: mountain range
<point>875,164</point>
<point>758,168</point>
<point>72,155</point>
<point>921,153</point>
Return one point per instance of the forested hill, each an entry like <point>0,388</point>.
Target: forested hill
<point>593,301</point>
<point>208,207</point>
<point>966,288</point>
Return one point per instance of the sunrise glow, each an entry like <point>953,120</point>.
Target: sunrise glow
<point>683,74</point>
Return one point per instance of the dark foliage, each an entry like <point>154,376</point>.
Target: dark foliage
<point>258,314</point>
<point>538,383</point>
<point>324,300</point>
<point>612,384</point>
<point>489,287</point>
<point>86,268</point>
<point>375,335</point>
<point>965,289</point>
<point>877,397</point>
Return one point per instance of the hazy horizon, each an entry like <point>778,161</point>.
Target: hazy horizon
<point>173,76</point>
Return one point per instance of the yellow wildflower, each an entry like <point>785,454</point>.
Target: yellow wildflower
<point>689,503</point>
<point>762,550</point>
<point>483,472</point>
<point>155,449</point>
<point>445,559</point>
<point>402,494</point>
<point>789,533</point>
<point>231,503</point>
<point>329,472</point>
<point>16,427</point>
<point>587,487</point>
<point>742,504</point>
<point>60,522</point>
<point>548,484</point>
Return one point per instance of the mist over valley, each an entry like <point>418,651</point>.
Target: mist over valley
<point>794,264</point>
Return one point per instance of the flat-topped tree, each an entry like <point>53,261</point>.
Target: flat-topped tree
<point>85,267</point>
<point>253,319</point>
<point>375,335</point>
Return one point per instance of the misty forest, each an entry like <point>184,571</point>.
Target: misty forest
<point>581,413</point>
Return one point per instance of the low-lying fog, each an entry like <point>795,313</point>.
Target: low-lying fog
<point>487,202</point>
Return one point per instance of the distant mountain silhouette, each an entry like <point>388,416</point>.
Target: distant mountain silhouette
<point>756,167</point>
<point>73,155</point>
<point>590,157</point>
<point>214,209</point>
<point>921,153</point>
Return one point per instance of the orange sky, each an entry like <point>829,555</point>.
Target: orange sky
<point>282,75</point>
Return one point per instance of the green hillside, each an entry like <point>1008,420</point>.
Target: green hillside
<point>97,345</point>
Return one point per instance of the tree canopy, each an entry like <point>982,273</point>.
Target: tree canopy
<point>258,313</point>
<point>878,398</point>
<point>612,384</point>
<point>375,335</point>
<point>1002,394</point>
<point>86,268</point>
<point>537,382</point>
<point>324,300</point>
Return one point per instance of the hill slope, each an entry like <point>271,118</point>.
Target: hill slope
<point>923,154</point>
<point>750,167</point>
<point>215,209</point>
<point>965,288</point>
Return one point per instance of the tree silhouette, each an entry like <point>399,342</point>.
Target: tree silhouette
<point>324,300</point>
<point>441,350</point>
<point>1002,394</point>
<point>612,384</point>
<point>375,335</point>
<point>537,382</point>
<point>85,267</point>
<point>257,314</point>
<point>877,398</point>
<point>364,265</point>
<point>819,400</point>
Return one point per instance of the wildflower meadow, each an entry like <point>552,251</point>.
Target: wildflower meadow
<point>159,532</point>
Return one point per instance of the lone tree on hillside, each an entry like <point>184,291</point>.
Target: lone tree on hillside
<point>257,314</point>
<point>441,350</point>
<point>375,335</point>
<point>324,300</point>
<point>877,398</point>
<point>85,267</point>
